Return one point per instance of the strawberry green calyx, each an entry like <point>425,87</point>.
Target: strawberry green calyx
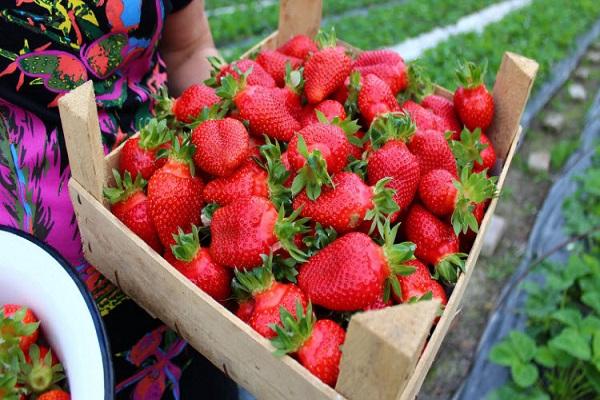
<point>348,125</point>
<point>471,75</point>
<point>396,254</point>
<point>40,374</point>
<point>216,63</point>
<point>124,187</point>
<point>163,106</point>
<point>391,126</point>
<point>231,86</point>
<point>186,244</point>
<point>320,239</point>
<point>294,331</point>
<point>180,152</point>
<point>383,204</point>
<point>12,329</point>
<point>472,188</point>
<point>351,103</point>
<point>313,175</point>
<point>326,39</point>
<point>247,284</point>
<point>294,79</point>
<point>419,84</point>
<point>154,134</point>
<point>216,111</point>
<point>8,387</point>
<point>279,194</point>
<point>449,267</point>
<point>286,229</point>
<point>468,149</point>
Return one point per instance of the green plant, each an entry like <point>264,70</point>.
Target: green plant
<point>561,151</point>
<point>558,354</point>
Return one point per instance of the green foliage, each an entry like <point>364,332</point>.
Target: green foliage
<point>561,151</point>
<point>558,355</point>
<point>545,31</point>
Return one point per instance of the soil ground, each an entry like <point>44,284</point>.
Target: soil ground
<point>522,197</point>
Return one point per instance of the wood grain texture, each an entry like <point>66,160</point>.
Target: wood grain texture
<point>511,91</point>
<point>298,17</point>
<point>382,349</point>
<point>79,117</point>
<point>214,331</point>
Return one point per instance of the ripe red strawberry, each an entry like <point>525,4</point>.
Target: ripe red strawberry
<point>393,159</point>
<point>256,75</point>
<point>417,285</point>
<point>433,151</point>
<point>291,93</point>
<point>195,263</point>
<point>329,108</point>
<point>445,195</point>
<point>175,194</point>
<point>475,150</point>
<point>386,65</point>
<point>21,324</point>
<point>249,180</point>
<point>375,98</point>
<point>353,271</point>
<point>474,104</point>
<point>274,63</point>
<point>246,228</point>
<point>315,343</point>
<point>262,297</point>
<point>54,394</point>
<point>315,152</point>
<point>300,46</point>
<point>129,204</point>
<point>222,145</point>
<point>436,242</point>
<point>265,112</point>
<point>40,372</point>
<point>139,154</point>
<point>325,70</point>
<point>423,118</point>
<point>192,101</point>
<point>348,203</point>
<point>443,108</point>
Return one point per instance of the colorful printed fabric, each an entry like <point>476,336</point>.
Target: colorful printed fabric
<point>48,47</point>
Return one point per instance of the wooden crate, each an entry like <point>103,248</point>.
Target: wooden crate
<point>383,356</point>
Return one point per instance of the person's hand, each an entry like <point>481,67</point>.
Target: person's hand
<point>185,45</point>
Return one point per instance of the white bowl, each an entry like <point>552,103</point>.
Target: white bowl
<point>33,274</point>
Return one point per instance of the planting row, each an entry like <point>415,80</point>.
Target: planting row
<point>385,26</point>
<point>545,31</point>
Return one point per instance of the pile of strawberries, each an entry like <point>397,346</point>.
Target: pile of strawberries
<point>28,368</point>
<point>304,185</point>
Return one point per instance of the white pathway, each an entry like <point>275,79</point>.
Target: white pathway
<point>412,48</point>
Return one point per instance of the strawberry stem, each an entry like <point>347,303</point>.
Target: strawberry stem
<point>286,229</point>
<point>294,79</point>
<point>471,75</point>
<point>247,284</point>
<point>313,175</point>
<point>293,331</point>
<point>396,254</point>
<point>419,84</point>
<point>391,126</point>
<point>468,149</point>
<point>124,187</point>
<point>278,174</point>
<point>351,103</point>
<point>383,204</point>
<point>154,134</point>
<point>449,267</point>
<point>472,188</point>
<point>186,244</point>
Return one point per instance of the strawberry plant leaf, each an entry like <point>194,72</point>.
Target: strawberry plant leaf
<point>572,342</point>
<point>524,374</point>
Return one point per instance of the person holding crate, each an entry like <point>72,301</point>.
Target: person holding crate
<point>129,49</point>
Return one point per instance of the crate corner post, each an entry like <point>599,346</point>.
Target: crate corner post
<point>511,91</point>
<point>298,17</point>
<point>79,118</point>
<point>382,349</point>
